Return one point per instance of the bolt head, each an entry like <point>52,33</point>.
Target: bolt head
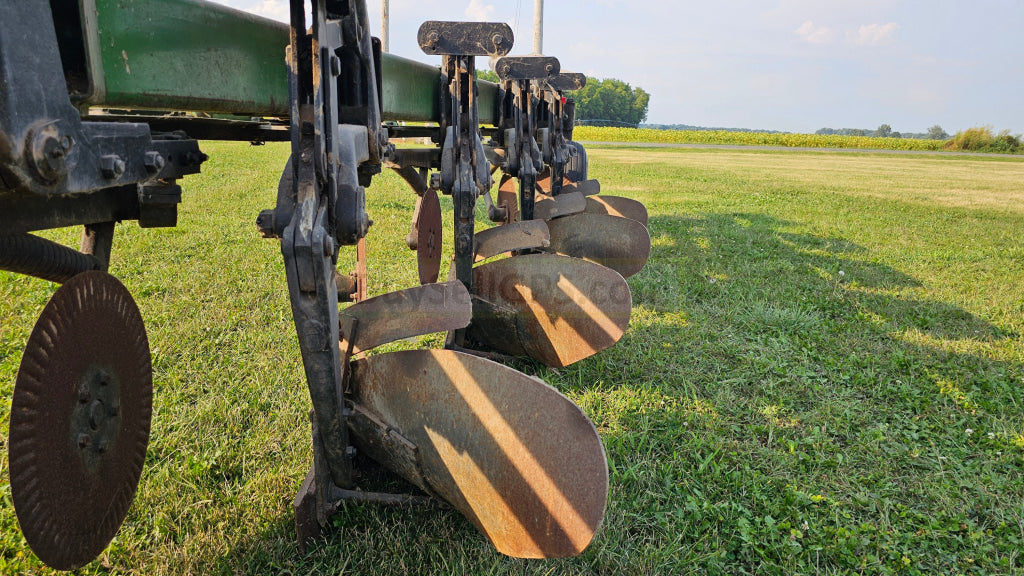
<point>83,440</point>
<point>112,166</point>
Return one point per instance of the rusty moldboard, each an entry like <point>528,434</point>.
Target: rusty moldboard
<point>516,457</point>
<point>563,309</point>
<point>621,244</point>
<point>618,206</point>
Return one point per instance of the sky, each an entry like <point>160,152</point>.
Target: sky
<point>789,65</point>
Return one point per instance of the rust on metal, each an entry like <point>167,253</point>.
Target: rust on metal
<point>508,198</point>
<point>621,244</point>
<point>555,309</point>
<point>565,204</point>
<point>618,206</point>
<point>428,237</point>
<point>516,236</point>
<point>516,457</point>
<point>80,419</point>
<point>586,187</point>
<point>360,272</point>
<point>407,313</point>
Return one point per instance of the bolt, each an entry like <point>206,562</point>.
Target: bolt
<point>83,393</point>
<point>96,414</point>
<point>335,66</point>
<point>498,40</point>
<point>550,69</point>
<point>350,451</point>
<point>112,166</point>
<point>328,245</point>
<point>101,446</point>
<point>83,440</point>
<point>265,224</point>
<point>48,155</point>
<point>114,409</point>
<point>432,40</point>
<point>435,181</point>
<point>506,70</point>
<point>154,162</point>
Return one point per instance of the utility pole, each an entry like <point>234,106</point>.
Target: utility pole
<point>538,26</point>
<point>384,24</point>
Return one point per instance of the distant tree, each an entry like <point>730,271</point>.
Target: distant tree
<point>858,132</point>
<point>937,133</point>
<point>883,131</point>
<point>611,100</point>
<point>896,135</point>
<point>488,76</point>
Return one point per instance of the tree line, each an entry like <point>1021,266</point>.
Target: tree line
<point>607,102</point>
<point>885,131</point>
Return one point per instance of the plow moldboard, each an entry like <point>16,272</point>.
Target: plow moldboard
<point>515,456</point>
<point>617,206</point>
<point>555,309</point>
<point>621,244</point>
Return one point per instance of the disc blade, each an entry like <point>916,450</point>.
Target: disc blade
<point>548,207</point>
<point>516,236</point>
<point>555,309</point>
<point>618,206</point>
<point>515,456</point>
<point>508,197</point>
<point>428,237</point>
<point>407,313</point>
<point>80,419</point>
<point>621,244</point>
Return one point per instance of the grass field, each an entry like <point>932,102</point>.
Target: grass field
<point>824,374</point>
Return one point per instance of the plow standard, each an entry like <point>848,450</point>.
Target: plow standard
<point>102,106</point>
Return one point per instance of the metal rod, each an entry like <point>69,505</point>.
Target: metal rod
<point>385,13</point>
<point>538,26</point>
<point>42,258</point>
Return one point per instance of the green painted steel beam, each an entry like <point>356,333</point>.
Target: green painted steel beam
<point>197,56</point>
<point>186,55</point>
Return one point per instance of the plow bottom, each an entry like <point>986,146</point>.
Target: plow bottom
<point>516,457</point>
<point>555,309</point>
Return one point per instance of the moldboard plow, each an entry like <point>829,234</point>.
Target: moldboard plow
<point>81,145</point>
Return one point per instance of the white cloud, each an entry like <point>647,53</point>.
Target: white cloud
<point>875,34</point>
<point>274,9</point>
<point>813,34</point>
<point>479,11</point>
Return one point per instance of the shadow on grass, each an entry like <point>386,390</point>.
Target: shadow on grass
<point>767,413</point>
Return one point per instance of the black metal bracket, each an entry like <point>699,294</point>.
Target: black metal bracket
<point>464,168</point>
<point>337,144</point>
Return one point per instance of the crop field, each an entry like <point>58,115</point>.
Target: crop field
<point>824,374</point>
<point>606,134</point>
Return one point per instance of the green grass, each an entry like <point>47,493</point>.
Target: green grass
<point>765,413</point>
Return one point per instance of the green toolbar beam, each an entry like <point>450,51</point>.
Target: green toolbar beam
<point>197,56</point>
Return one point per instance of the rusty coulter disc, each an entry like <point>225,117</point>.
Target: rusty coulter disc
<point>621,244</point>
<point>515,456</point>
<point>428,245</point>
<point>618,206</point>
<point>508,198</point>
<point>80,420</point>
<point>554,309</point>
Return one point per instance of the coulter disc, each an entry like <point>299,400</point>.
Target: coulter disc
<point>618,206</point>
<point>428,241</point>
<point>511,453</point>
<point>80,419</point>
<point>548,207</point>
<point>554,309</point>
<point>621,244</point>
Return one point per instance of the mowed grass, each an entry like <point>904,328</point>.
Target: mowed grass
<point>824,374</point>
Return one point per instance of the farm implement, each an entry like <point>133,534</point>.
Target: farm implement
<point>102,107</point>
